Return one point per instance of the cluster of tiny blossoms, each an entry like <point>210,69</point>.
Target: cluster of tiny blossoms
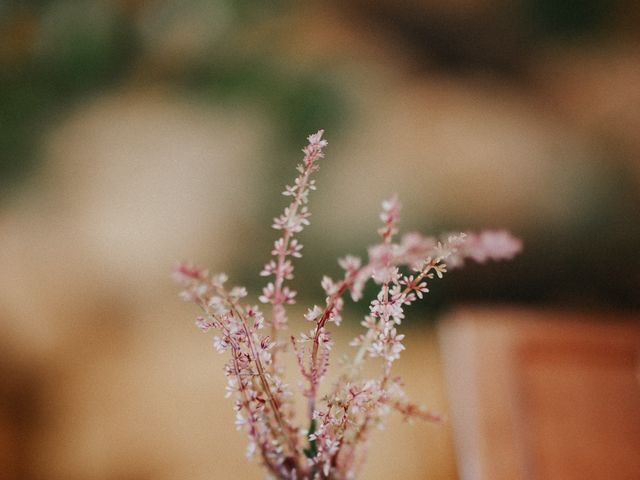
<point>332,442</point>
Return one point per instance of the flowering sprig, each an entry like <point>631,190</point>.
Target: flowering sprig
<point>292,221</point>
<point>333,443</point>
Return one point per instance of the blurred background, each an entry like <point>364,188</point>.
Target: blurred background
<point>135,133</point>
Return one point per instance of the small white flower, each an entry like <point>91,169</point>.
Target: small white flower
<point>313,313</point>
<point>238,292</point>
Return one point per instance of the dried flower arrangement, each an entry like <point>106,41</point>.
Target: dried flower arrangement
<point>332,442</point>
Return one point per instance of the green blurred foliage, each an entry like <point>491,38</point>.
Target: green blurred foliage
<point>569,18</point>
<point>74,49</point>
<point>69,49</point>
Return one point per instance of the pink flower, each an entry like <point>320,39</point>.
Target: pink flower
<point>332,438</point>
